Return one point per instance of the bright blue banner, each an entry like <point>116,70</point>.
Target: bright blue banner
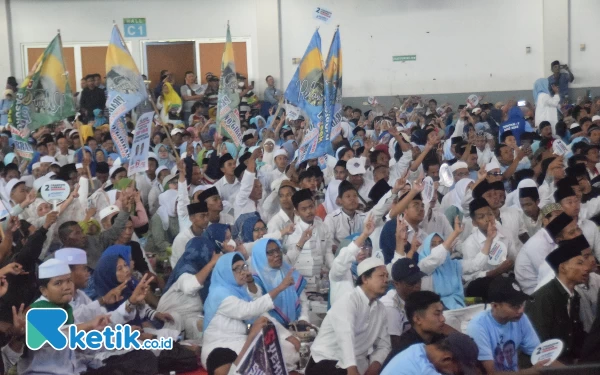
<point>333,88</point>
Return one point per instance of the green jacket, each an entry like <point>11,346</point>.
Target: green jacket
<point>550,318</point>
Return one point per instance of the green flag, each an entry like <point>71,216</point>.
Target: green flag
<point>45,95</point>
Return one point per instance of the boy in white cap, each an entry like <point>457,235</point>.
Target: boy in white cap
<point>354,334</point>
<point>356,170</point>
<point>57,289</point>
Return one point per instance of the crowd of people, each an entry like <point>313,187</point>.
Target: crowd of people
<point>425,212</point>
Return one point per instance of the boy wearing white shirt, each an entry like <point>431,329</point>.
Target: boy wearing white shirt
<point>250,194</point>
<point>353,338</point>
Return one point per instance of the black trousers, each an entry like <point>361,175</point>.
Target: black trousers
<point>323,367</point>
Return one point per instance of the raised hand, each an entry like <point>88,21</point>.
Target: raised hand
<point>19,319</point>
<point>3,286</point>
<point>401,230</point>
<point>481,173</point>
<point>458,226</point>
<point>369,226</point>
<point>288,229</point>
<point>114,295</point>
<point>99,322</point>
<point>51,218</point>
<point>13,268</point>
<point>307,234</point>
<point>139,294</point>
<point>491,231</point>
<point>288,280</point>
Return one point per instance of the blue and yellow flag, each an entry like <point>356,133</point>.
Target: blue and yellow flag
<point>305,91</point>
<point>228,115</point>
<point>45,95</point>
<point>125,87</point>
<point>333,88</point>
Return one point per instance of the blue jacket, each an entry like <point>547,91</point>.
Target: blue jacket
<point>515,123</point>
<point>5,105</point>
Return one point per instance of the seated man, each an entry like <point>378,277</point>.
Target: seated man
<point>353,338</point>
<point>499,332</point>
<point>555,310</point>
<point>424,310</point>
<point>455,354</point>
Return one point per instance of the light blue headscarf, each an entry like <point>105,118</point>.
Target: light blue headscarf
<point>447,278</point>
<point>231,149</point>
<point>357,139</point>
<point>540,86</point>
<point>287,304</point>
<point>223,285</point>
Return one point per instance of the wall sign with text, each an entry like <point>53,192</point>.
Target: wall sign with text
<point>134,27</point>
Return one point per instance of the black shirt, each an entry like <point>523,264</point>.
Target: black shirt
<point>92,99</point>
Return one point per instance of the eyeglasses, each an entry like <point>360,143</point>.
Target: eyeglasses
<point>240,269</point>
<point>494,173</point>
<point>272,253</point>
<point>263,229</point>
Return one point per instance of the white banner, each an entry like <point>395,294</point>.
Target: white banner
<point>141,143</point>
<point>292,112</point>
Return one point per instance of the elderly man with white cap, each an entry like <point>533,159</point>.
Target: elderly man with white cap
<point>354,334</point>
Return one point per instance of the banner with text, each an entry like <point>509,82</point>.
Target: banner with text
<point>141,144</point>
<point>264,356</point>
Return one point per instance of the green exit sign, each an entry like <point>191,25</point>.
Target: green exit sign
<point>405,58</point>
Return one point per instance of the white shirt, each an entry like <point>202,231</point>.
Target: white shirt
<point>352,330</point>
<point>179,244</point>
<point>183,301</point>
<point>531,257</point>
<point>546,109</point>
<point>65,159</point>
<point>268,177</point>
<point>243,203</point>
<point>399,169</point>
<point>512,222</point>
<point>485,156</point>
<point>278,222</point>
<point>396,315</point>
<point>341,281</point>
<point>546,191</point>
<point>226,190</point>
<point>84,310</point>
<point>341,225</point>
<point>472,247</point>
<point>364,190</point>
<point>532,226</point>
<point>591,234</point>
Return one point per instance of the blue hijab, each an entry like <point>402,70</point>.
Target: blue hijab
<point>223,285</point>
<point>247,233</point>
<point>287,304</point>
<point>167,162</point>
<point>540,86</point>
<point>447,278</point>
<point>79,158</point>
<point>288,146</point>
<point>387,240</point>
<point>198,253</point>
<point>357,139</point>
<point>105,273</point>
<point>231,149</point>
<point>238,227</point>
<point>215,233</point>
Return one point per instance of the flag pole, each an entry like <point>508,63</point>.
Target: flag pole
<point>165,128</point>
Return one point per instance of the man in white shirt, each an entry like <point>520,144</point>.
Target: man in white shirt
<point>354,334</point>
<point>249,196</point>
<point>348,219</point>
<point>198,214</point>
<point>557,226</point>
<point>308,248</point>
<point>510,218</point>
<point>281,161</point>
<point>406,277</point>
<point>64,155</point>
<point>228,185</point>
<point>529,199</point>
<point>286,215</point>
<point>356,170</point>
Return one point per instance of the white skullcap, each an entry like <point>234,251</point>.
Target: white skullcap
<point>492,165</point>
<point>107,211</point>
<point>53,268</point>
<point>11,185</point>
<point>280,152</point>
<point>47,159</point>
<point>458,165</point>
<point>79,166</point>
<point>71,256</point>
<point>35,166</point>
<point>368,264</point>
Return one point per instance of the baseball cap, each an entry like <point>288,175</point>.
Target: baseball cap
<point>465,351</point>
<point>107,211</point>
<point>176,131</point>
<point>406,270</point>
<point>368,264</point>
<point>505,289</point>
<point>355,166</point>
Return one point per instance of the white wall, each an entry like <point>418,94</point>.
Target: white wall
<point>91,21</point>
<point>5,52</point>
<point>461,46</point>
<point>584,29</point>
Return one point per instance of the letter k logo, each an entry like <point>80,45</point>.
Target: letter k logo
<point>43,325</point>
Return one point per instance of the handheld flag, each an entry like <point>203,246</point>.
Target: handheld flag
<point>333,88</point>
<point>125,87</point>
<point>306,92</point>
<point>228,115</point>
<point>44,97</point>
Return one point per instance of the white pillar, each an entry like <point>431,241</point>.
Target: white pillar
<point>268,38</point>
<point>556,33</point>
<point>5,52</point>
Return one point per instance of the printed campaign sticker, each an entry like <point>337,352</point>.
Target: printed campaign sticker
<point>548,350</point>
<point>472,101</point>
<point>498,253</point>
<point>559,147</point>
<point>427,189</point>
<point>55,191</point>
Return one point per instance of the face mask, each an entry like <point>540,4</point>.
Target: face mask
<point>231,243</point>
<point>240,84</point>
<point>467,199</point>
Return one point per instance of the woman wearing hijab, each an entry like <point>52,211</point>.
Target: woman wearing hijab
<point>219,238</point>
<point>187,287</point>
<point>169,103</point>
<point>456,202</point>
<point>164,225</point>
<point>269,270</point>
<point>114,269</point>
<point>229,308</point>
<point>165,159</point>
<point>269,153</point>
<point>546,105</point>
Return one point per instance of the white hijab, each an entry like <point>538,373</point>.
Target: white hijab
<point>269,157</point>
<point>512,198</point>
<point>331,195</point>
<point>167,202</point>
<point>457,195</point>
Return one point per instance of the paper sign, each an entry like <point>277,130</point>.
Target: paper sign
<point>548,350</point>
<point>498,253</point>
<point>559,147</point>
<point>292,112</point>
<point>322,15</point>
<point>427,189</point>
<point>264,355</point>
<point>446,178</point>
<point>55,191</point>
<point>140,145</point>
<point>472,101</point>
